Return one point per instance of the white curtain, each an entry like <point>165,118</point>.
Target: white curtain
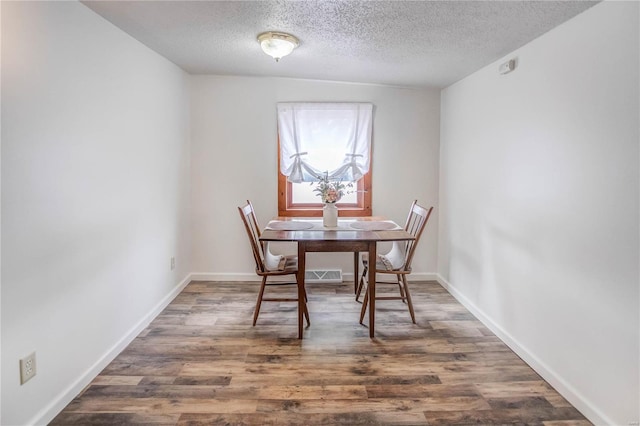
<point>319,138</point>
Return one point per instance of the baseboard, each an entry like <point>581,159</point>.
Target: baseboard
<point>241,276</point>
<point>57,405</point>
<point>552,377</point>
<point>226,276</point>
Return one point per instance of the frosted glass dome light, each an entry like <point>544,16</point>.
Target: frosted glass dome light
<point>277,45</point>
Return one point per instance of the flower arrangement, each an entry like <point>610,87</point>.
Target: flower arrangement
<point>331,191</point>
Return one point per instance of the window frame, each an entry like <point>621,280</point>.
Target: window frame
<point>287,208</point>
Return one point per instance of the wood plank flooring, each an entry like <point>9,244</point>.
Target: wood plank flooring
<point>200,362</point>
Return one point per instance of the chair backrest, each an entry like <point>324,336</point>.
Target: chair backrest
<point>416,222</point>
<point>254,218</point>
<point>248,216</point>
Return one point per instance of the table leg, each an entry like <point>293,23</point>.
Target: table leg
<point>372,288</point>
<point>356,259</point>
<point>301,268</point>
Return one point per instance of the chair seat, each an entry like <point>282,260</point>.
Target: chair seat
<point>288,265</point>
<point>382,264</point>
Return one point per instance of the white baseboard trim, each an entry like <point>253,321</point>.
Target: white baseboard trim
<point>58,404</point>
<point>588,409</point>
<point>225,276</point>
<point>252,277</point>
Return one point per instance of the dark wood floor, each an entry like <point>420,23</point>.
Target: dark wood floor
<point>201,362</point>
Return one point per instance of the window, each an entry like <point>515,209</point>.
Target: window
<point>298,199</point>
<point>319,138</point>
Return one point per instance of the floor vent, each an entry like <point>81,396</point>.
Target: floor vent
<point>323,276</point>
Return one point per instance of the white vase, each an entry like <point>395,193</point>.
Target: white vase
<point>330,215</point>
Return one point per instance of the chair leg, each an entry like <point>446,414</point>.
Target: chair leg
<point>356,262</point>
<point>401,288</point>
<point>361,283</point>
<point>363,310</point>
<point>306,311</point>
<point>406,289</point>
<point>259,301</point>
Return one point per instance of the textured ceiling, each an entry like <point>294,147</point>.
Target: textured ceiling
<point>406,43</point>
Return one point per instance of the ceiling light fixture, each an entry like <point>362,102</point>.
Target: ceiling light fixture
<point>277,44</point>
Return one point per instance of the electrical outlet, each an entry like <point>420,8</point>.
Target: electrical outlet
<point>27,368</point>
<point>173,263</point>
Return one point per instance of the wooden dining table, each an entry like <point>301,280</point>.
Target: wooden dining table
<point>351,235</point>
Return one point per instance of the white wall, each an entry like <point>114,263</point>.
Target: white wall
<point>234,158</point>
<point>95,196</point>
<point>539,206</point>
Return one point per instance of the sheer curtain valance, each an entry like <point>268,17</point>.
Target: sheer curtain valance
<point>319,138</point>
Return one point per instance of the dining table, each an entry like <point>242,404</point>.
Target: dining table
<point>353,234</point>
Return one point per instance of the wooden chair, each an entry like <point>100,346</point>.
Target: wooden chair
<point>398,261</point>
<point>268,265</point>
